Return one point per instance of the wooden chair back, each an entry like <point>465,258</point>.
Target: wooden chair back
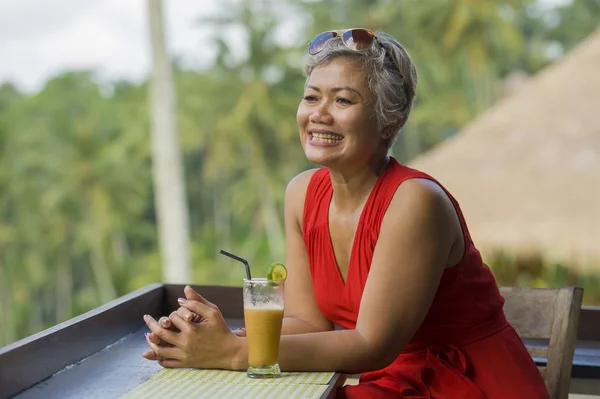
<point>547,320</point>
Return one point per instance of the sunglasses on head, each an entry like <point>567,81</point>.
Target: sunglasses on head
<point>356,39</point>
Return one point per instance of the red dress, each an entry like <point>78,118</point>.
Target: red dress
<point>465,348</point>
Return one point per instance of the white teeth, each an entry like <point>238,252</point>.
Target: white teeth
<point>326,141</point>
<point>326,137</point>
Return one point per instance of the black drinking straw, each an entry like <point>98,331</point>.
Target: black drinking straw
<point>244,261</point>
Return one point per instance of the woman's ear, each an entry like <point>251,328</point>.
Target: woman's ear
<point>388,132</point>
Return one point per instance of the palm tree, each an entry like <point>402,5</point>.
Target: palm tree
<point>169,181</point>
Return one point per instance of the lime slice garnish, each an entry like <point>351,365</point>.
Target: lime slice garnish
<point>277,271</point>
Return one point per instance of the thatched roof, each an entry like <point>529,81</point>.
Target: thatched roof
<point>527,171</point>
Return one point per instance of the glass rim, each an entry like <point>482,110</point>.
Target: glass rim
<point>261,280</point>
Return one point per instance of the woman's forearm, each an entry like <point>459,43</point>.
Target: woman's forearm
<point>340,350</point>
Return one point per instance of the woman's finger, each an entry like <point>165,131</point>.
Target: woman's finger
<point>164,322</point>
<point>156,340</point>
<point>162,333</point>
<point>150,355</point>
<point>192,295</point>
<point>199,308</point>
<point>164,352</point>
<point>170,363</point>
<point>185,314</point>
<point>240,332</point>
<point>180,323</point>
<point>153,338</point>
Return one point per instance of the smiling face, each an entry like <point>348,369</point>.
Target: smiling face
<point>336,118</point>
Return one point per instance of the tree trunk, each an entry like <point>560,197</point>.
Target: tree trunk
<point>222,219</point>
<point>169,186</point>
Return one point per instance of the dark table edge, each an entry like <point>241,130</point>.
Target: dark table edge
<point>336,382</point>
<point>33,359</point>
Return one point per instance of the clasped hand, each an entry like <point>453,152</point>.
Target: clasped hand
<point>194,336</point>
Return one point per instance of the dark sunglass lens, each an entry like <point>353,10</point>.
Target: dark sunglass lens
<point>358,39</point>
<point>318,43</point>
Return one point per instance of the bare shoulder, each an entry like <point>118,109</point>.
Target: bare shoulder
<point>299,183</point>
<point>422,204</point>
<point>295,194</point>
<point>422,196</point>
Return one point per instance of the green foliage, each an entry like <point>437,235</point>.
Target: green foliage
<point>536,271</point>
<point>77,223</point>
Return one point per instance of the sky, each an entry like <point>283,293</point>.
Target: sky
<point>41,38</point>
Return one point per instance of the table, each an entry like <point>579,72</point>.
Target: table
<point>98,354</point>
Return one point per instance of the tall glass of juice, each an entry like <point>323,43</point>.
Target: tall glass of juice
<point>263,316</point>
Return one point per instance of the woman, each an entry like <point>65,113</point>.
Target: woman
<point>375,247</point>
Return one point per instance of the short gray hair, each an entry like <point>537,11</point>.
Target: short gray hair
<point>391,77</point>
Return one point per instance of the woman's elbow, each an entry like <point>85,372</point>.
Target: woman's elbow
<point>379,355</point>
<point>381,359</point>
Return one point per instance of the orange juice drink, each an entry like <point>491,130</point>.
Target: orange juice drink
<point>263,317</point>
<point>263,329</point>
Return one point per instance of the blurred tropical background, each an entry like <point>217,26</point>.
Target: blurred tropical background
<point>112,181</point>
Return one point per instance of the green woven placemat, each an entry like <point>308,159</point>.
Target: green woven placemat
<point>200,384</point>
<point>239,377</point>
